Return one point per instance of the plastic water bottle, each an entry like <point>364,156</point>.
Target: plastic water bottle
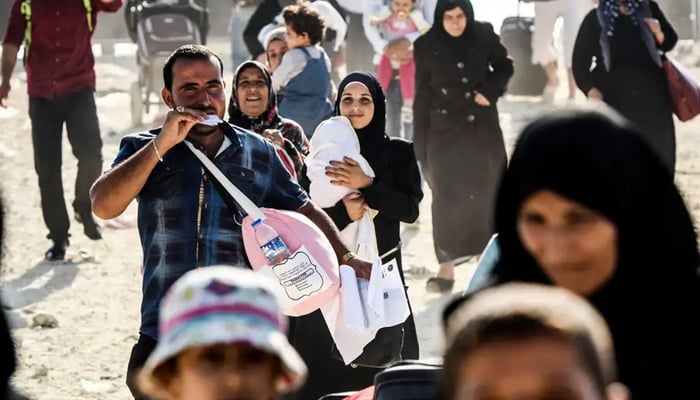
<point>271,244</point>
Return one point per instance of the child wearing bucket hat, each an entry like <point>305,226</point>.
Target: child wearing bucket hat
<point>222,335</point>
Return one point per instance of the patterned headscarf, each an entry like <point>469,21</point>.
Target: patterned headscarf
<point>298,144</point>
<point>609,11</point>
<point>269,119</point>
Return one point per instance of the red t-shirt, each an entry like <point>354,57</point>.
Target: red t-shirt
<point>60,59</point>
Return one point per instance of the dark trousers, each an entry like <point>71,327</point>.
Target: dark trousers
<point>139,354</point>
<point>394,102</point>
<point>79,113</point>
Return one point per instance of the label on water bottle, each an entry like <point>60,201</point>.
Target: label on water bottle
<point>299,275</point>
<point>273,248</point>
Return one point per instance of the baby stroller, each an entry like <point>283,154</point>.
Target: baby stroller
<point>158,27</point>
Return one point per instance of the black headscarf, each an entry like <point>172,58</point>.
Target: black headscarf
<point>438,28</point>
<point>652,302</point>
<point>269,118</point>
<point>372,137</point>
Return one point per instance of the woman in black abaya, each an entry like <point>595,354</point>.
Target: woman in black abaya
<point>395,193</point>
<point>462,69</point>
<point>625,38</point>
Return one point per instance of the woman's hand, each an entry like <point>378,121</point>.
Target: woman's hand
<point>595,94</point>
<point>348,174</point>
<point>481,100</point>
<point>274,136</point>
<point>355,206</point>
<point>655,28</point>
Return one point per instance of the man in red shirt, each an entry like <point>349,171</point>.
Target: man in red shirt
<point>61,85</point>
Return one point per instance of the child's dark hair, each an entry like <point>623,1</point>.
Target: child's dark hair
<point>521,312</point>
<point>187,52</point>
<point>304,19</point>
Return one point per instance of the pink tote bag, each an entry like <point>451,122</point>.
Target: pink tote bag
<point>310,277</point>
<point>307,279</point>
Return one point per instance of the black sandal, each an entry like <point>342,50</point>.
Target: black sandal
<point>439,285</point>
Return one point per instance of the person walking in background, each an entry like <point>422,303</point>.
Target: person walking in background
<point>253,106</point>
<point>543,50</point>
<point>275,48</point>
<point>400,51</point>
<point>333,41</point>
<point>61,85</point>
<point>304,73</point>
<point>264,14</point>
<point>587,205</point>
<point>397,20</point>
<point>625,39</point>
<point>461,71</point>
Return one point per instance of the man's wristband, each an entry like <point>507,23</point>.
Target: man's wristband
<point>160,157</point>
<point>347,257</point>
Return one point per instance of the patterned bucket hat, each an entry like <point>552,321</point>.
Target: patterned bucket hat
<point>223,305</point>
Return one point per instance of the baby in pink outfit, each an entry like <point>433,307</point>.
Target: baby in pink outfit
<point>396,20</point>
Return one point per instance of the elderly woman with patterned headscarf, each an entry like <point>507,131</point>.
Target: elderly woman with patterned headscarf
<point>253,106</point>
<point>625,39</point>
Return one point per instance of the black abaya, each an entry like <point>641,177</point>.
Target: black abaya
<point>635,85</point>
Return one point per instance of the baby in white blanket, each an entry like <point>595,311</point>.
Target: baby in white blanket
<point>334,139</point>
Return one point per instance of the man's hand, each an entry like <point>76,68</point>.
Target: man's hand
<point>399,49</point>
<point>177,125</point>
<point>355,206</point>
<point>362,267</point>
<point>405,56</point>
<point>4,93</point>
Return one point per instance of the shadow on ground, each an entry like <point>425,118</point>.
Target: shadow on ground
<point>21,291</point>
